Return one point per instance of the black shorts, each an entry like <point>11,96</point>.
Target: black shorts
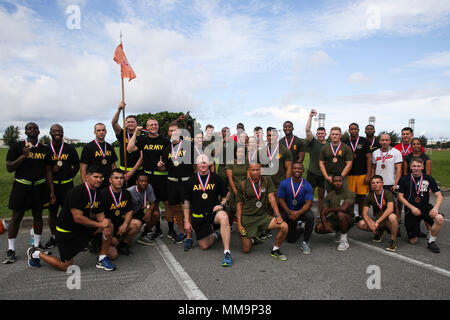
<point>61,190</point>
<point>315,180</point>
<point>139,215</point>
<point>412,222</point>
<point>71,243</point>
<point>24,197</point>
<point>203,227</point>
<point>175,192</point>
<point>159,185</point>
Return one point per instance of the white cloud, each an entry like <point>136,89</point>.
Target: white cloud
<point>359,78</point>
<point>433,60</point>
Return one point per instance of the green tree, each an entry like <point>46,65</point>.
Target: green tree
<point>45,140</point>
<point>424,140</point>
<point>11,135</point>
<point>395,137</point>
<point>164,118</point>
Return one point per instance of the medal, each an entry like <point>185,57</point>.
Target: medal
<point>335,152</point>
<point>58,156</point>
<point>289,145</point>
<point>295,193</point>
<point>418,199</point>
<point>418,187</point>
<point>270,155</point>
<point>204,186</point>
<point>116,203</point>
<point>91,200</point>
<point>405,152</point>
<point>257,193</point>
<point>104,161</point>
<point>176,163</point>
<point>383,158</point>
<point>175,156</point>
<point>354,146</point>
<point>383,166</point>
<point>379,204</point>
<point>258,204</point>
<point>30,145</point>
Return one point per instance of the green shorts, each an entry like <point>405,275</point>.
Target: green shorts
<point>255,225</point>
<point>333,220</point>
<point>315,180</point>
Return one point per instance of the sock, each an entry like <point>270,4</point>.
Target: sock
<point>36,254</point>
<point>343,237</point>
<point>170,224</point>
<point>226,251</point>
<point>431,239</point>
<point>12,244</point>
<point>101,257</point>
<point>53,236</point>
<point>356,210</point>
<point>37,240</point>
<point>275,248</point>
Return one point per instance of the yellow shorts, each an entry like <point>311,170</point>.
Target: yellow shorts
<point>356,184</point>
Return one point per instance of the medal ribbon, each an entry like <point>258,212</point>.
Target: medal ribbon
<point>383,157</point>
<point>289,145</point>
<point>114,197</point>
<point>204,186</point>
<point>60,150</point>
<point>253,156</point>
<point>178,150</point>
<point>380,204</point>
<point>35,146</point>
<point>295,193</point>
<point>274,151</point>
<point>100,148</point>
<point>198,151</point>
<point>407,149</point>
<point>145,196</point>
<point>258,194</point>
<point>353,146</point>
<point>415,184</point>
<point>373,142</point>
<point>90,195</point>
<point>337,149</point>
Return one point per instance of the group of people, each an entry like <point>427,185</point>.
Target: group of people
<point>207,181</point>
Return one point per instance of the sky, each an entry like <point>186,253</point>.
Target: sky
<point>257,62</point>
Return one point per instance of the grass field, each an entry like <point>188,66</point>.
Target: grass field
<point>441,172</point>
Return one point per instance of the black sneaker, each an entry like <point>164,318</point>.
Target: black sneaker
<point>10,257</point>
<point>257,240</point>
<point>378,237</point>
<point>156,235</point>
<point>433,247</point>
<point>51,243</point>
<point>172,235</point>
<point>123,249</point>
<point>278,255</point>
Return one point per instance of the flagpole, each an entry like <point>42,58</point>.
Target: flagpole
<point>123,117</point>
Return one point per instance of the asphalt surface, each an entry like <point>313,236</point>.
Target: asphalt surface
<point>166,272</point>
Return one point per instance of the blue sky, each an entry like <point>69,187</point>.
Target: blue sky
<point>256,62</point>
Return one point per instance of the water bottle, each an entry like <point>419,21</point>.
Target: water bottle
<point>32,236</point>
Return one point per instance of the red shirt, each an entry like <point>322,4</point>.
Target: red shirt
<point>405,149</point>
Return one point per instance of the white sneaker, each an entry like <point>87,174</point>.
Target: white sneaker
<point>343,245</point>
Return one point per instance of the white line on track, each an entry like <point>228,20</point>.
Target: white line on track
<point>403,258</point>
<point>184,280</point>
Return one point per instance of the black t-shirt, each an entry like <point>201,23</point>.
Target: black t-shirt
<point>359,166</point>
<point>376,144</point>
<point>408,186</point>
<point>182,154</point>
<point>152,150</point>
<point>422,156</point>
<point>110,208</point>
<point>78,198</point>
<point>69,158</point>
<point>33,168</point>
<point>193,193</point>
<point>91,155</point>
<point>132,157</point>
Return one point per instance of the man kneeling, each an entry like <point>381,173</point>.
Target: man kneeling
<point>382,202</point>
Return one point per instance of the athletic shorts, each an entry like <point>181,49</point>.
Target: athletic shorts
<point>139,215</point>
<point>61,191</point>
<point>203,227</point>
<point>24,197</point>
<point>333,220</point>
<point>412,222</point>
<point>356,184</point>
<point>315,180</point>
<point>255,225</point>
<point>175,192</point>
<point>71,243</point>
<point>159,185</point>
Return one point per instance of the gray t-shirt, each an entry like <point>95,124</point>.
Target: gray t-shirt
<point>139,197</point>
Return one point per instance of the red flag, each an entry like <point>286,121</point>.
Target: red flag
<point>120,58</point>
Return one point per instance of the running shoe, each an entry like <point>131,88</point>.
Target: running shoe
<point>257,240</point>
<point>378,237</point>
<point>278,255</point>
<point>51,243</point>
<point>172,235</point>
<point>156,235</point>
<point>433,247</point>
<point>146,240</point>
<point>392,246</point>
<point>10,257</point>
<point>188,245</point>
<point>105,264</point>
<point>123,249</point>
<point>180,238</point>
<point>227,262</point>
<point>343,245</point>
<point>305,248</point>
<point>33,262</point>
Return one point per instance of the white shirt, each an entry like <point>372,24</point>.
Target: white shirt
<point>393,156</point>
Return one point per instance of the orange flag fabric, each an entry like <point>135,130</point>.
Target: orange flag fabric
<point>120,58</point>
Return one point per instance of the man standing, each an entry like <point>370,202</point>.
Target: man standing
<point>335,158</point>
<point>66,165</point>
<point>99,153</point>
<point>337,213</point>
<point>82,216</point>
<point>405,146</point>
<point>293,143</point>
<point>370,136</point>
<point>134,159</point>
<point>314,175</point>
<point>32,166</point>
<point>205,197</point>
<point>387,163</point>
<point>382,203</point>
<point>252,217</point>
<point>414,193</point>
<point>295,196</point>
<point>359,175</point>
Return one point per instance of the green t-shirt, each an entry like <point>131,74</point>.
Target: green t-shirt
<point>335,200</point>
<point>314,155</point>
<point>247,196</point>
<point>344,154</point>
<point>239,172</point>
<point>281,155</point>
<point>371,202</point>
<point>296,147</point>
